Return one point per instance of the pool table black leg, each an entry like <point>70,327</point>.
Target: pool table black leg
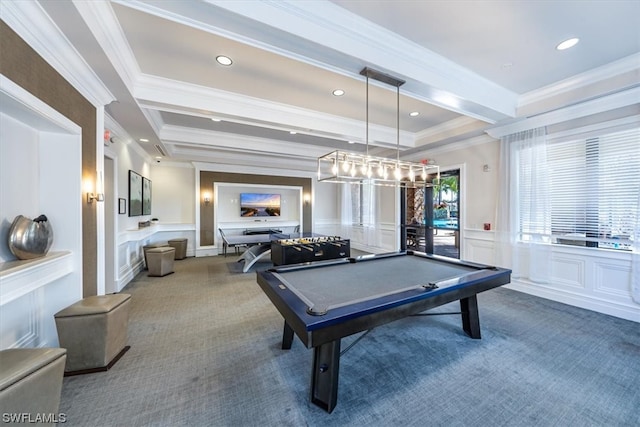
<point>324,377</point>
<point>287,336</point>
<point>470,318</point>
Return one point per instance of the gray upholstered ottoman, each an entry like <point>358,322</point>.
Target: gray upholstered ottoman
<point>146,249</point>
<point>180,246</point>
<point>161,260</point>
<point>94,332</point>
<point>31,382</point>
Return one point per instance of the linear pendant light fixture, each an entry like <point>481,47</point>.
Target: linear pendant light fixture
<point>347,167</point>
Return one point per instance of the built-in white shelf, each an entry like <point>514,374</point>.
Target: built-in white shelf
<point>138,234</point>
<point>18,278</point>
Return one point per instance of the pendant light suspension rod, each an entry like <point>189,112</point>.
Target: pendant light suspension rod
<point>357,169</point>
<point>398,123</point>
<point>367,117</point>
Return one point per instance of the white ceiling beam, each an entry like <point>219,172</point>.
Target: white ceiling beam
<point>193,99</point>
<point>428,75</point>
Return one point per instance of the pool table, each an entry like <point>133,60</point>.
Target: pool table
<point>324,301</point>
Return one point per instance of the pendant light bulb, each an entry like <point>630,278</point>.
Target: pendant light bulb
<point>345,166</point>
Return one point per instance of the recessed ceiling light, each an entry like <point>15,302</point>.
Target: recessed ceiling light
<point>292,132</point>
<point>215,120</point>
<point>568,43</point>
<point>414,113</point>
<point>224,60</point>
<point>351,142</point>
<point>144,140</point>
<point>338,92</point>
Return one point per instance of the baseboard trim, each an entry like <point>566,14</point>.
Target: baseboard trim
<point>610,308</point>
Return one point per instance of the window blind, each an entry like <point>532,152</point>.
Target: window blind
<point>593,188</point>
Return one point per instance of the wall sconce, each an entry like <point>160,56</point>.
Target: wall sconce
<point>486,168</point>
<point>207,198</point>
<point>97,197</point>
<point>307,198</point>
<point>99,194</point>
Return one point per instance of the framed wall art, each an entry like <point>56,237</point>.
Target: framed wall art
<point>146,196</point>
<point>135,194</point>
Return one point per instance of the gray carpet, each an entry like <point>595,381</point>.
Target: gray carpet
<point>205,351</point>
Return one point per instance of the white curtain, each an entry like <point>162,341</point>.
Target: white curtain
<point>369,209</point>
<point>523,228</point>
<point>635,256</point>
<point>346,211</point>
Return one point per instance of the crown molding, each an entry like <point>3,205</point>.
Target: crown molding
<point>327,36</point>
<point>452,127</point>
<point>326,24</point>
<point>31,22</point>
<point>283,169</point>
<point>460,145</point>
<point>113,126</point>
<point>103,24</point>
<point>211,140</point>
<point>154,118</point>
<point>192,99</point>
<point>242,158</point>
<point>594,106</point>
<point>596,75</point>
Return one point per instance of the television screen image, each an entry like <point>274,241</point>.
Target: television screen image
<point>259,204</point>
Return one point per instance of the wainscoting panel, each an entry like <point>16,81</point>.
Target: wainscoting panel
<point>612,278</point>
<point>569,272</point>
<point>131,243</point>
<point>481,251</point>
<point>20,323</point>
<point>593,279</point>
<point>327,228</point>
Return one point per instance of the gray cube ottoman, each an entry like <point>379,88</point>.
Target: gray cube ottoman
<point>94,331</point>
<point>31,383</point>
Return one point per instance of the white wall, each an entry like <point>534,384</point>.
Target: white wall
<point>19,195</point>
<point>130,157</point>
<point>478,188</point>
<point>326,214</point>
<point>173,194</point>
<point>172,202</point>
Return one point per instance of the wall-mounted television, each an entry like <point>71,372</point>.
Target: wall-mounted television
<point>259,204</point>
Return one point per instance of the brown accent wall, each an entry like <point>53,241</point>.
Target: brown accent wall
<point>21,64</point>
<point>207,180</point>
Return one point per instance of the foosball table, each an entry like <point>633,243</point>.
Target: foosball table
<point>308,249</point>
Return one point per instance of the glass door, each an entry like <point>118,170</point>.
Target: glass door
<point>446,214</point>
